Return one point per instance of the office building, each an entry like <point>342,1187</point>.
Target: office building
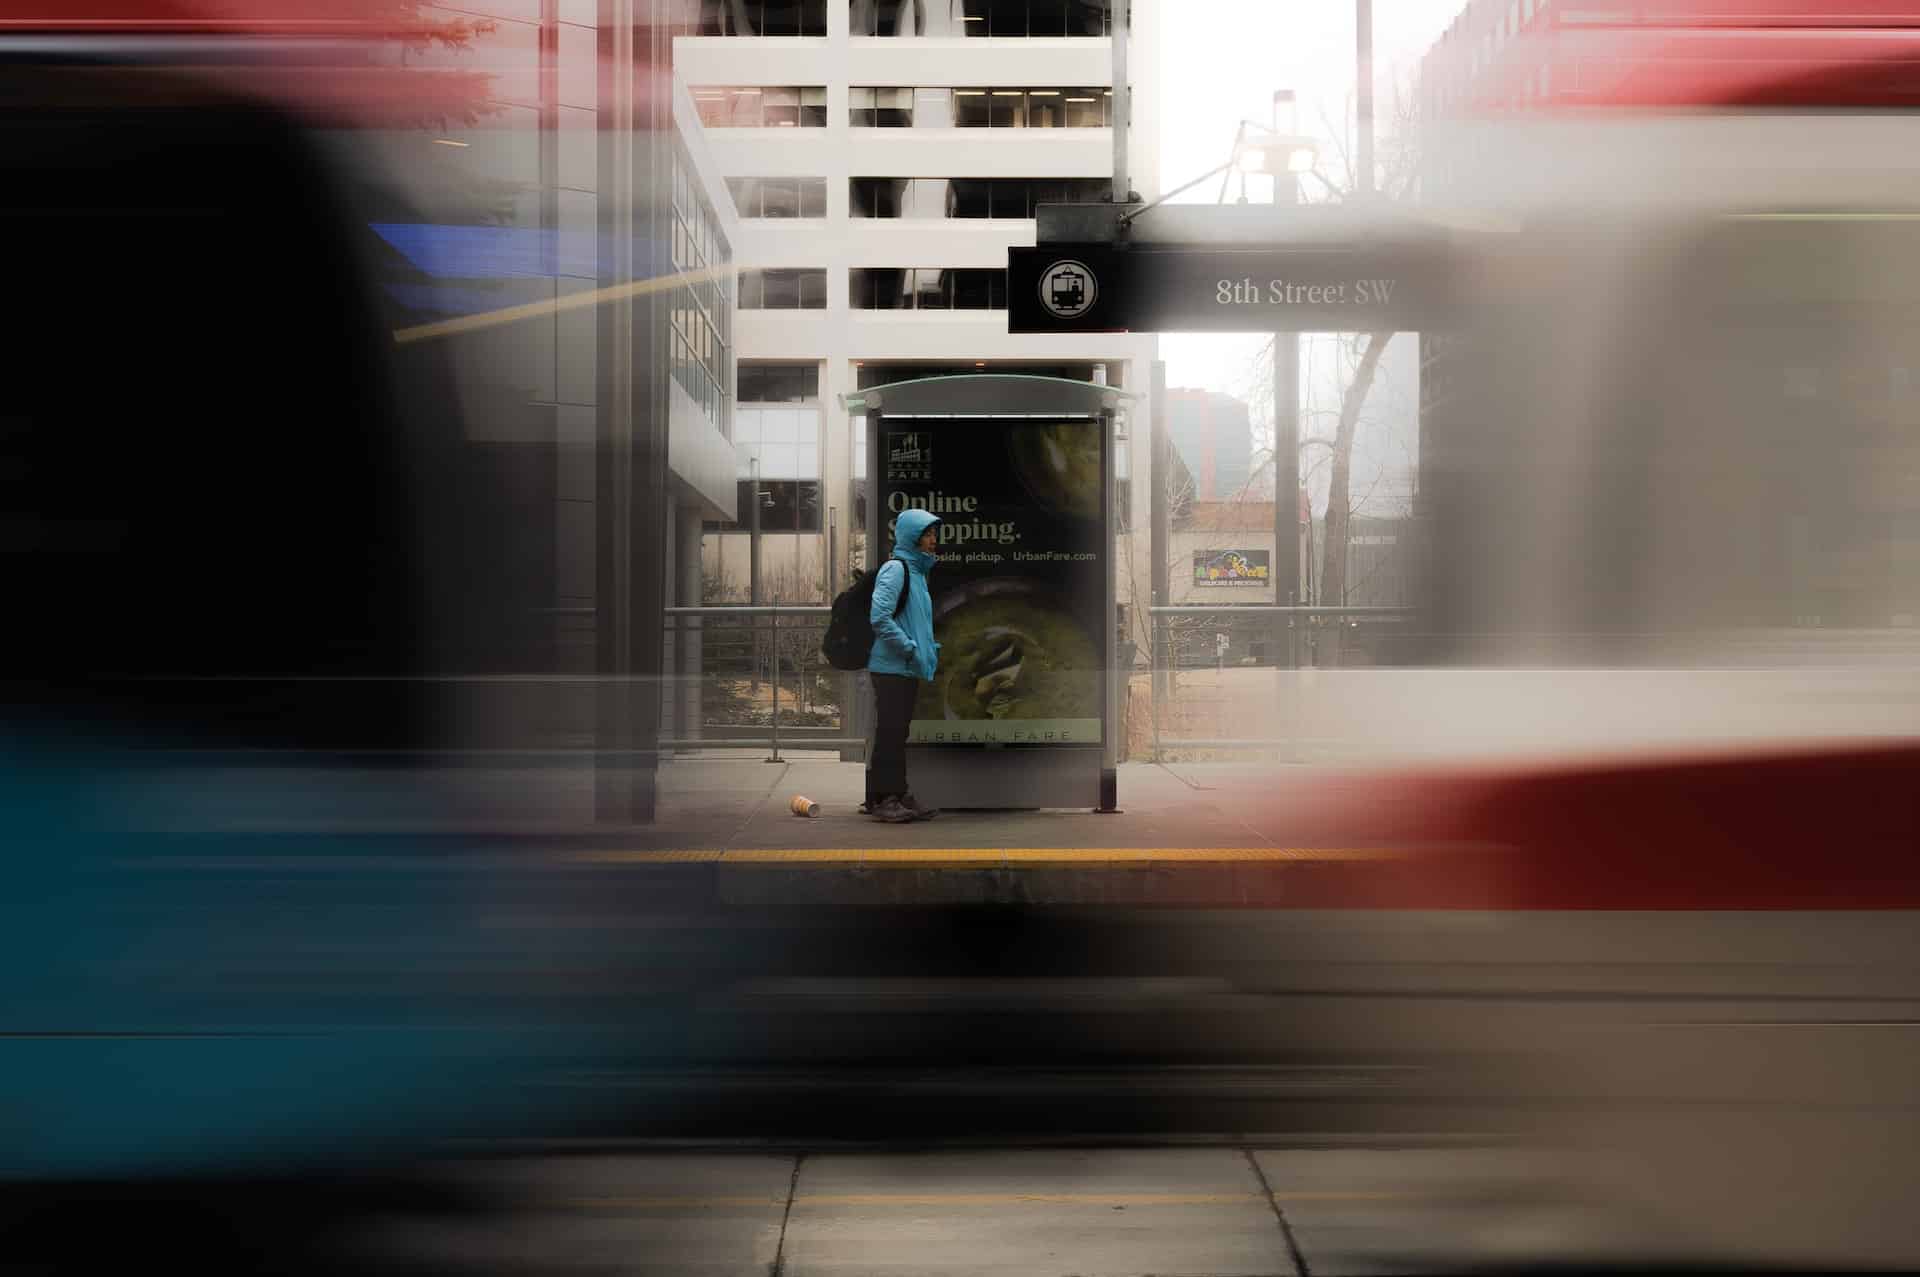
<point>883,157</point>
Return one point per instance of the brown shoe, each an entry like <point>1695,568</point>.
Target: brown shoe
<point>890,811</point>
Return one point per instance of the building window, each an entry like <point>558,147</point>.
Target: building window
<point>791,289</point>
<point>998,18</point>
<point>969,197</point>
<point>979,290</point>
<point>761,107</point>
<point>880,108</point>
<point>915,197</point>
<point>989,108</point>
<point>700,341</point>
<point>786,505</point>
<point>927,288</point>
<point>887,17</point>
<point>1005,18</point>
<point>779,197</point>
<point>762,17</point>
<point>877,196</point>
<point>777,425</point>
<point>872,106</point>
<point>762,383</point>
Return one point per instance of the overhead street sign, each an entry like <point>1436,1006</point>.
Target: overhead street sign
<point>1061,288</point>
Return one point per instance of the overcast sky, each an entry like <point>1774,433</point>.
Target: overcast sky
<point>1220,61</point>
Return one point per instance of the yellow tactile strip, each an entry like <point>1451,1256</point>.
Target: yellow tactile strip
<point>921,857</point>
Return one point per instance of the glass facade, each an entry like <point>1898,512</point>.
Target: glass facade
<point>926,288</point>
<point>778,423</point>
<point>779,197</point>
<point>761,106</point>
<point>801,288</point>
<point>998,18</point>
<point>762,17</point>
<point>882,107</point>
<point>702,336</point>
<point>969,197</point>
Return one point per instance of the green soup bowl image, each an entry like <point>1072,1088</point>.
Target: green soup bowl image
<point>1008,651</point>
<point>1058,464</point>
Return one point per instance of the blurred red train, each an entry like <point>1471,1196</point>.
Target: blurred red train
<point>1658,796</point>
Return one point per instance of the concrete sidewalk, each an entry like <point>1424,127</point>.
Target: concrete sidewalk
<point>742,803</point>
<point>1225,1212</point>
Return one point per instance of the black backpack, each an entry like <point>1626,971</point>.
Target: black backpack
<point>848,641</point>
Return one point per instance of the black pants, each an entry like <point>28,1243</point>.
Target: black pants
<point>893,697</point>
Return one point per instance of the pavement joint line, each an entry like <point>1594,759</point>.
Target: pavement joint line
<point>1189,783</point>
<point>1248,826</point>
<point>778,1267</point>
<point>1280,1217</point>
<point>1007,857</point>
<point>773,787</point>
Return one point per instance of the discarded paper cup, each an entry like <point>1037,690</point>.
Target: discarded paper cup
<point>804,806</point>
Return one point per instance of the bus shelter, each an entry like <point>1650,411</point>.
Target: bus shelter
<point>1023,711</point>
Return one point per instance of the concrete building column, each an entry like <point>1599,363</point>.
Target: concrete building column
<point>689,583</point>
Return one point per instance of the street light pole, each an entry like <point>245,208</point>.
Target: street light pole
<point>753,531</point>
<point>1363,58</point>
<point>1286,438</point>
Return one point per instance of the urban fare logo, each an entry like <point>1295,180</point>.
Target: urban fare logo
<point>909,455</point>
<point>1279,292</point>
<point>1067,289</point>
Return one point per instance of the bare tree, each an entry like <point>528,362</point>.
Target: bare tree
<point>1339,516</point>
<point>1394,179</point>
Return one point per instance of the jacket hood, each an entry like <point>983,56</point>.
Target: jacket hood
<point>907,531</point>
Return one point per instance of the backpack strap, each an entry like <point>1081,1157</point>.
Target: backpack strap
<point>900,600</point>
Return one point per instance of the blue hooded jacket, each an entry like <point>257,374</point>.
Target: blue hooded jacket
<point>905,646</point>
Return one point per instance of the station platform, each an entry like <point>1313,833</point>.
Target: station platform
<point>1200,834</point>
<point>737,807</point>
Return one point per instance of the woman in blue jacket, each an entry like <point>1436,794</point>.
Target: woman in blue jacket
<point>904,656</point>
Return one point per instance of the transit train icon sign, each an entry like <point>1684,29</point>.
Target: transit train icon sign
<point>1406,284</point>
<point>1067,289</point>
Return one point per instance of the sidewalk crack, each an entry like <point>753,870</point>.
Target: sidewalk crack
<point>778,1267</point>
<point>1255,833</point>
<point>1280,1216</point>
<point>1190,784</point>
<point>773,787</point>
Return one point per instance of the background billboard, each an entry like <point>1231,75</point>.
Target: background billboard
<point>1232,567</point>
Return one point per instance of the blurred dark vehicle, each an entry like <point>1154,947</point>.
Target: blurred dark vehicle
<point>254,551</point>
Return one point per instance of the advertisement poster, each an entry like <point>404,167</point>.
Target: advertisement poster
<point>1232,567</point>
<point>1020,592</point>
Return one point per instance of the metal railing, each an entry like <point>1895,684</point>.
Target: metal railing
<point>1164,665</point>
<point>770,620</point>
